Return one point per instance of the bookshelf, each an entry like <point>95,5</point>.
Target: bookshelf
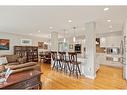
<point>29,52</point>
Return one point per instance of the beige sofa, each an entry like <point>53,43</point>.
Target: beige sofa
<point>16,66</point>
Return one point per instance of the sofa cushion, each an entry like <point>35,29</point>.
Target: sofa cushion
<point>13,63</point>
<point>25,69</point>
<point>11,58</point>
<point>13,67</point>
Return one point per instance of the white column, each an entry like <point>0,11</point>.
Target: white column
<point>90,50</point>
<point>54,41</point>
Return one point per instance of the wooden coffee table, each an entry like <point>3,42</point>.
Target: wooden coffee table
<point>23,80</point>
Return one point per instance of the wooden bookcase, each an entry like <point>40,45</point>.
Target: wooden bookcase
<point>29,52</point>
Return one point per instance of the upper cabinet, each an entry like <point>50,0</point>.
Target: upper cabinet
<point>111,41</point>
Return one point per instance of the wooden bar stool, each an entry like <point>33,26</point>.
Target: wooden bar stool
<point>56,61</point>
<point>64,61</point>
<point>74,64</point>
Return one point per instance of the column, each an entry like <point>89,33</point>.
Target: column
<point>54,41</point>
<point>90,43</point>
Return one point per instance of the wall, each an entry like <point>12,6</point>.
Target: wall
<point>124,38</point>
<point>15,39</point>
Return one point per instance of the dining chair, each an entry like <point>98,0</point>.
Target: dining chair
<point>74,64</point>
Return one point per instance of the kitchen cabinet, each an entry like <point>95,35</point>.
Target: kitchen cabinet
<point>111,41</point>
<point>103,58</point>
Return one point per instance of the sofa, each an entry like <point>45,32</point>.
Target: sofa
<point>18,64</point>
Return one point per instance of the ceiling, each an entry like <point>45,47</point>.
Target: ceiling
<point>29,20</point>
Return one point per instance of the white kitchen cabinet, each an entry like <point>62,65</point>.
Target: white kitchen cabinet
<point>101,59</point>
<point>103,42</point>
<point>111,41</point>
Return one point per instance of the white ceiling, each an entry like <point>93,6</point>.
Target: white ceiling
<point>26,20</point>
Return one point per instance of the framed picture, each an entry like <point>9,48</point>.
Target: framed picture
<point>4,44</point>
<point>40,45</point>
<point>26,42</point>
<point>70,46</point>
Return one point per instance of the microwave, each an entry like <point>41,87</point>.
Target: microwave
<point>78,48</point>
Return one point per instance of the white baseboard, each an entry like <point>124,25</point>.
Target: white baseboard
<point>90,77</point>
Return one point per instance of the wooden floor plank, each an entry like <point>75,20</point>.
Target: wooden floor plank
<point>107,78</point>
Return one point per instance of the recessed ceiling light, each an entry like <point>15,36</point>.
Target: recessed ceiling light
<point>106,9</point>
<point>108,20</point>
<point>70,21</point>
<point>50,27</point>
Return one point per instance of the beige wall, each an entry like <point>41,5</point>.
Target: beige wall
<point>16,40</point>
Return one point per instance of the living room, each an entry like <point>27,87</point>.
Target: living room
<point>29,34</point>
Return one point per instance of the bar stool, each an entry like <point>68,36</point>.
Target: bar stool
<point>74,64</point>
<point>64,61</point>
<point>56,61</point>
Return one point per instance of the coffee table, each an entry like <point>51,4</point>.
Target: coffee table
<point>23,80</point>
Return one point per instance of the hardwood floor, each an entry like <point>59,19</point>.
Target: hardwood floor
<point>107,78</point>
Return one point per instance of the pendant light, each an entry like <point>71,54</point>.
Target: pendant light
<point>64,40</point>
<point>74,39</point>
<point>64,36</point>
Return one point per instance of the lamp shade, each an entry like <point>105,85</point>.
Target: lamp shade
<point>74,39</point>
<point>64,40</point>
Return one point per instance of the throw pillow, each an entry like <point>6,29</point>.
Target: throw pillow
<point>3,60</point>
